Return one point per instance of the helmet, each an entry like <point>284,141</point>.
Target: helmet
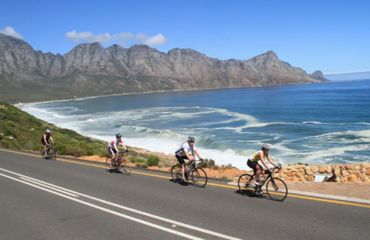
<point>48,131</point>
<point>191,139</point>
<point>265,146</point>
<point>118,135</point>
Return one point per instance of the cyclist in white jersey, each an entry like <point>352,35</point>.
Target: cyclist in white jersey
<point>185,154</point>
<point>113,146</point>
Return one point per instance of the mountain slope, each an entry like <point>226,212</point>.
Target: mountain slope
<point>90,69</point>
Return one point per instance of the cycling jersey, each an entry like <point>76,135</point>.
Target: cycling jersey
<point>113,144</point>
<point>47,137</point>
<point>185,147</point>
<point>255,157</point>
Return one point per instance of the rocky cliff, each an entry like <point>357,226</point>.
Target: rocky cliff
<point>90,69</point>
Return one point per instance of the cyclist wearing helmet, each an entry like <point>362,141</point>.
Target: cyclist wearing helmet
<point>113,146</point>
<point>185,154</point>
<point>260,156</point>
<point>46,140</point>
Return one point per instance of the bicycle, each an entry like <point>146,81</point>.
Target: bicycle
<point>124,167</point>
<point>50,152</point>
<point>193,173</point>
<point>276,188</point>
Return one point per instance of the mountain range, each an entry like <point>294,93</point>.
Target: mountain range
<point>90,69</point>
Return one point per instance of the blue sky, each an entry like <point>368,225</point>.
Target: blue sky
<point>333,36</point>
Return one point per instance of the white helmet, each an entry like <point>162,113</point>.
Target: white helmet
<point>265,146</point>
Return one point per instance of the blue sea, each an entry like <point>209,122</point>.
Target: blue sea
<point>308,123</point>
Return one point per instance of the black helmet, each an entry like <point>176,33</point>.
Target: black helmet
<point>118,135</point>
<point>191,139</point>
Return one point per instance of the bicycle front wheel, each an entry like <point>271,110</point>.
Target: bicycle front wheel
<point>125,168</point>
<point>244,181</point>
<point>42,152</point>
<point>276,189</point>
<point>52,154</point>
<point>176,172</point>
<point>199,177</point>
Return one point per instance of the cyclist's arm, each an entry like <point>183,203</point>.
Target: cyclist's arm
<point>272,161</point>
<point>115,147</point>
<point>197,153</point>
<point>189,156</point>
<point>51,139</point>
<point>123,146</point>
<point>262,157</point>
<point>44,137</point>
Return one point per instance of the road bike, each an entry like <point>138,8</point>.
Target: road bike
<point>49,153</point>
<point>120,164</point>
<point>194,173</point>
<point>276,188</point>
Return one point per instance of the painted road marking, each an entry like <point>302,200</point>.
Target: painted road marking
<point>290,195</point>
<point>72,195</point>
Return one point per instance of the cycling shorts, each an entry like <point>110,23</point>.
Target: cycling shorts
<point>181,159</point>
<point>253,165</point>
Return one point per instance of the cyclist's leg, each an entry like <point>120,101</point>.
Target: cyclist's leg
<point>113,154</point>
<point>254,166</point>
<point>181,160</point>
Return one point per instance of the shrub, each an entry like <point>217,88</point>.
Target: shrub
<point>152,160</point>
<point>136,159</point>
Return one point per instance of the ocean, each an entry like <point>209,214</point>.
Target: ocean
<point>307,123</point>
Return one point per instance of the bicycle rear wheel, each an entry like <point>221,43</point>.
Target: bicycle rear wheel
<point>199,177</point>
<point>276,189</point>
<point>244,181</point>
<point>176,172</point>
<point>108,162</point>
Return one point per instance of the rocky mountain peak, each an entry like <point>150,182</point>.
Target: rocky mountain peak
<point>318,75</point>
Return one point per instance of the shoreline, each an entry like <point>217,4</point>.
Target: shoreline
<point>166,91</point>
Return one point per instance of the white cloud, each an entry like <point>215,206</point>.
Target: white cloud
<point>11,32</point>
<point>123,38</point>
<point>155,40</point>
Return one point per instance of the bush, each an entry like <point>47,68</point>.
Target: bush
<point>152,160</point>
<point>136,159</point>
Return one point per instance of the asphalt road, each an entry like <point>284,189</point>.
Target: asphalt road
<point>43,199</point>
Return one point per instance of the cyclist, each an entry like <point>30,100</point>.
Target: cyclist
<point>46,140</point>
<point>113,147</point>
<point>261,156</point>
<point>185,154</point>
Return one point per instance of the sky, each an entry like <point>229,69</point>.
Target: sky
<point>332,36</point>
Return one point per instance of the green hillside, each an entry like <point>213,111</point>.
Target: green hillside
<point>22,131</point>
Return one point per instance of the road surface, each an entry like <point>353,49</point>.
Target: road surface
<point>43,199</point>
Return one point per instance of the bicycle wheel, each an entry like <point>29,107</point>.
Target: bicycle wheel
<point>52,154</point>
<point>42,152</point>
<point>199,177</point>
<point>244,181</point>
<point>176,172</point>
<point>125,168</point>
<point>108,162</point>
<point>276,189</point>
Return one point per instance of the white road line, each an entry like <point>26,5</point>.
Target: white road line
<point>51,188</point>
<point>56,187</point>
<point>36,186</point>
<point>107,210</point>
